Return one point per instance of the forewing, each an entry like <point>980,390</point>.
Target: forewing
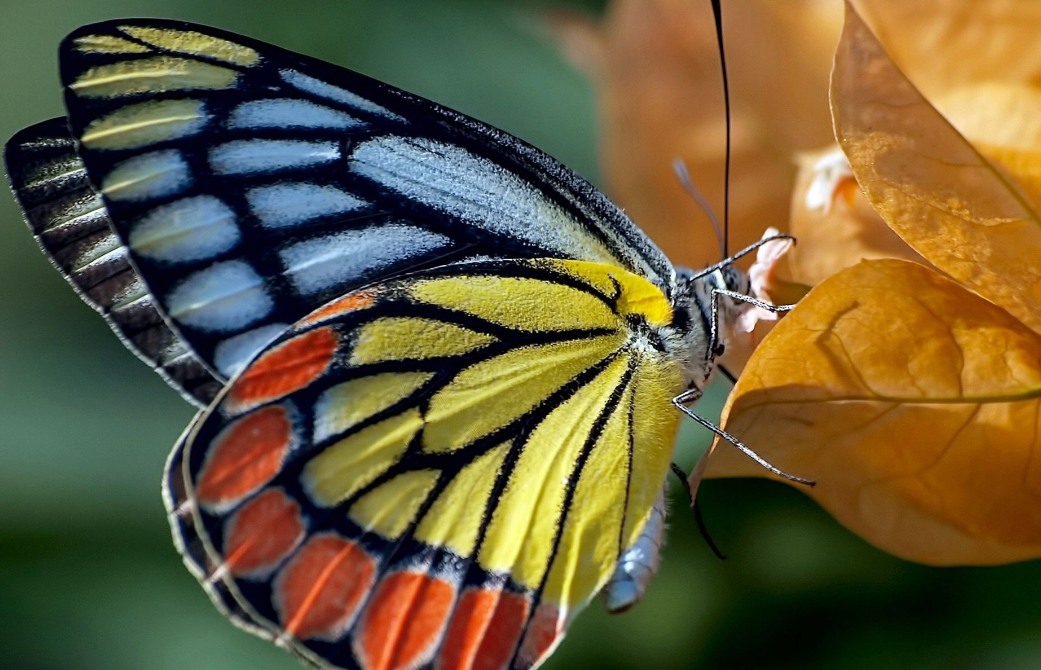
<point>250,184</point>
<point>443,468</point>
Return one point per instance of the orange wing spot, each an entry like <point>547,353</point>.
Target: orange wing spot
<point>288,367</point>
<point>484,630</point>
<point>262,533</point>
<point>245,455</point>
<point>403,622</point>
<point>544,632</point>
<point>318,592</point>
<point>348,303</point>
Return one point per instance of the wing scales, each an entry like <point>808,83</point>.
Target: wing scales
<point>301,181</point>
<point>416,561</point>
<point>522,532</point>
<point>72,226</point>
<point>356,494</point>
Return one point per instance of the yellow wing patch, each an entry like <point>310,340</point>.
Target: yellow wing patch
<point>168,39</point>
<point>152,75</point>
<point>389,508</point>
<point>522,532</point>
<point>108,44</point>
<point>145,123</point>
<point>517,302</point>
<point>395,338</point>
<point>464,438</point>
<point>348,404</point>
<point>344,468</point>
<point>455,518</point>
<point>654,425</point>
<point>195,43</point>
<point>587,547</point>
<point>489,395</point>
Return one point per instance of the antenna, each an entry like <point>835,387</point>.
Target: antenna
<point>683,174</point>
<point>717,12</point>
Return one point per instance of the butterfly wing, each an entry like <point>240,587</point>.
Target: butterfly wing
<point>71,224</point>
<point>439,469</point>
<point>249,185</point>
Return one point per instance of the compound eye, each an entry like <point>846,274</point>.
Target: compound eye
<point>738,282</point>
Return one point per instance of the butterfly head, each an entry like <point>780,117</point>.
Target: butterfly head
<point>693,304</point>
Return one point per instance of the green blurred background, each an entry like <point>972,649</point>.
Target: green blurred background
<point>88,576</point>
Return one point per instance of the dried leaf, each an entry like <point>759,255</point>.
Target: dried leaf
<point>833,221</point>
<point>1003,121</point>
<point>913,403</point>
<point>946,44</point>
<point>660,93</point>
<point>979,63</point>
<point>930,185</point>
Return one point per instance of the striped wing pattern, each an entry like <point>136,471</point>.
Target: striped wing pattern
<point>71,224</point>
<point>249,185</point>
<point>423,474</point>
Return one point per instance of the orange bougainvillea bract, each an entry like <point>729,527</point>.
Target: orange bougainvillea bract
<point>912,397</point>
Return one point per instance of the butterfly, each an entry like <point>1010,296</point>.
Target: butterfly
<point>437,371</point>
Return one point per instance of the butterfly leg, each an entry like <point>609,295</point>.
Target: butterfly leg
<point>638,565</point>
<point>761,304</point>
<point>689,396</point>
<point>713,336</point>
<point>678,471</point>
<point>698,518</point>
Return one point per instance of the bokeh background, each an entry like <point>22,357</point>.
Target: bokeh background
<point>88,576</point>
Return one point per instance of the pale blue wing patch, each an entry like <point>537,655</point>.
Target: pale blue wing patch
<point>482,193</point>
<point>294,203</point>
<point>190,229</point>
<point>244,157</point>
<point>224,297</point>
<point>290,113</point>
<point>318,264</point>
<point>157,174</point>
<point>328,91</point>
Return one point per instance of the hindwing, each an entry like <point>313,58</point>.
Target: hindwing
<point>441,469</point>
<point>248,185</point>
